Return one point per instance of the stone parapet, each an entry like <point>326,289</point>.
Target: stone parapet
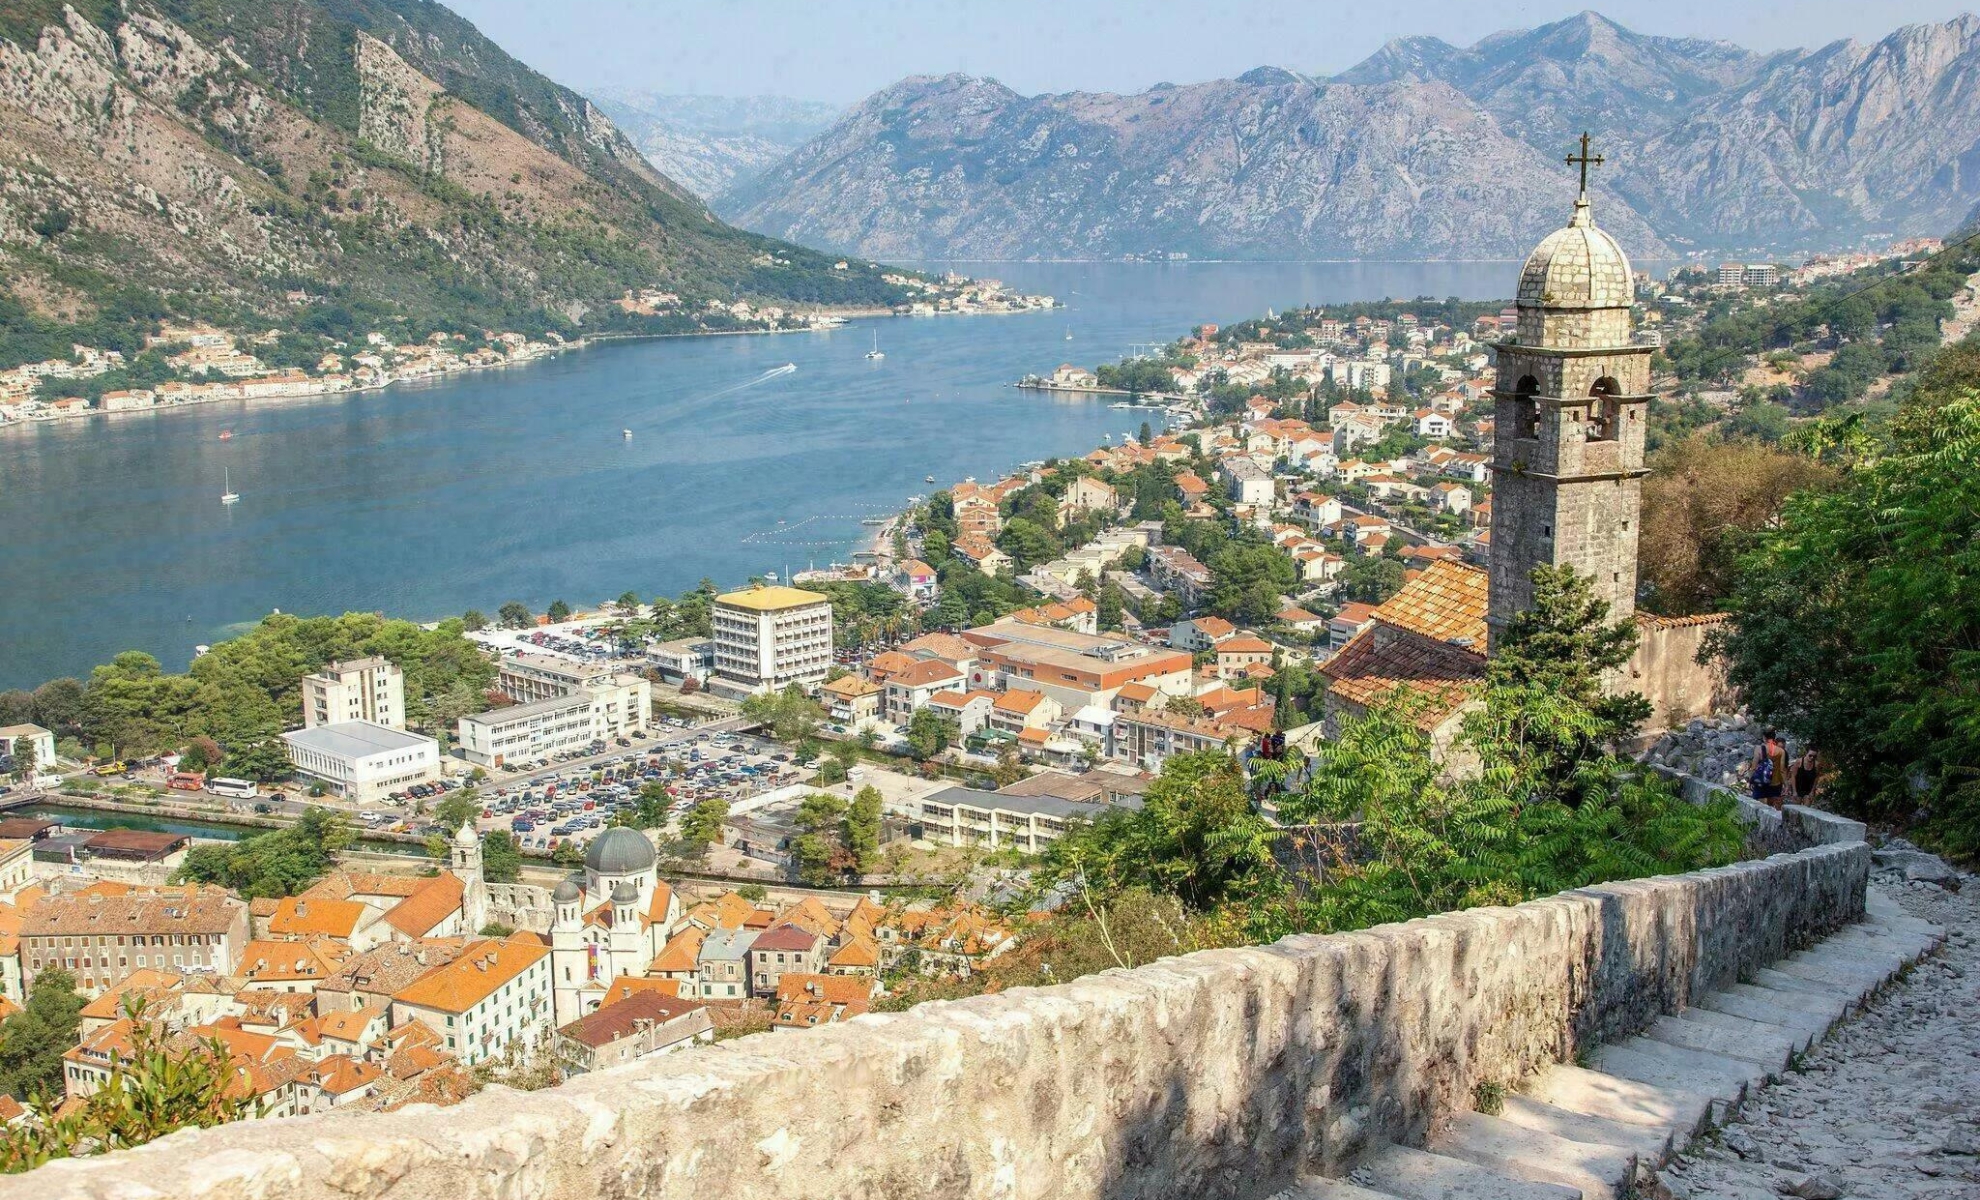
<point>1218,1074</point>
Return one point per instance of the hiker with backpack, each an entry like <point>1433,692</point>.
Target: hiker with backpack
<point>1767,773</point>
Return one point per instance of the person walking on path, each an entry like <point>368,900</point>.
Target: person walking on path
<point>1806,776</point>
<point>1768,771</point>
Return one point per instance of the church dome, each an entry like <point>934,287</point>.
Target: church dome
<point>567,892</point>
<point>467,836</point>
<point>619,852</point>
<point>625,893</point>
<point>1579,266</point>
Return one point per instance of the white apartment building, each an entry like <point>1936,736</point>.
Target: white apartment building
<point>1247,481</point>
<point>363,762</point>
<point>495,995</point>
<point>960,816</point>
<point>600,710</point>
<point>769,637</point>
<point>526,678</point>
<point>364,689</point>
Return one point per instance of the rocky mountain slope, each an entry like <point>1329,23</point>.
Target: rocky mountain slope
<point>713,143</point>
<point>1423,150</point>
<point>326,164</point>
<point>1271,165</point>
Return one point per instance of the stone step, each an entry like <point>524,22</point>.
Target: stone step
<point>1767,1046</point>
<point>1594,1094</point>
<point>1421,1175</point>
<point>1597,1171</point>
<point>1680,1070</point>
<point>1650,1143</point>
<point>1847,978</point>
<point>1852,948</point>
<point>1319,1187</point>
<point>1829,1005</point>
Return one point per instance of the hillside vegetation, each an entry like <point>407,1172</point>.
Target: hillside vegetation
<point>337,165</point>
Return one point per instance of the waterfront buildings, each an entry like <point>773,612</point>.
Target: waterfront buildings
<point>769,637</point>
<point>364,689</point>
<point>102,934</point>
<point>363,762</point>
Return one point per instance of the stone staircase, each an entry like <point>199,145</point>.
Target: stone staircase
<point>1597,1131</point>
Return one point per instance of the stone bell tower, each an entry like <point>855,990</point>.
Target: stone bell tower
<point>1571,402</point>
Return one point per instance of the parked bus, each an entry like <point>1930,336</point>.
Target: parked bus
<point>186,781</point>
<point>239,788</point>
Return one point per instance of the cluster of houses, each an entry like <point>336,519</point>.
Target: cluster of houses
<point>377,990</point>
<point>213,364</point>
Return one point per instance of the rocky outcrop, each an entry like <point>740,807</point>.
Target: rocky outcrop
<point>1277,166</point>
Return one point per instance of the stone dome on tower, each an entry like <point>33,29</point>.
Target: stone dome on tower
<point>1578,266</point>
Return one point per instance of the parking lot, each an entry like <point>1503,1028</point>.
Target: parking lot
<point>574,799</point>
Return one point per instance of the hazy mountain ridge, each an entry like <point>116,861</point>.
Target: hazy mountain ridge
<point>954,165</point>
<point>713,143</point>
<point>1710,145</point>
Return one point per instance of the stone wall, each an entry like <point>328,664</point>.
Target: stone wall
<point>521,906</point>
<point>1665,669</point>
<point>1218,1074</point>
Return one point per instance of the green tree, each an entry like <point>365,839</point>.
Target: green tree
<point>1856,616</point>
<point>928,734</point>
<point>702,824</point>
<point>501,858</point>
<point>58,706</point>
<point>1563,646</point>
<point>515,615</point>
<point>863,826</point>
<point>457,809</point>
<point>33,1040</point>
<point>790,715</point>
<point>24,763</point>
<point>558,611</point>
<point>473,620</point>
<point>279,863</point>
<point>264,761</point>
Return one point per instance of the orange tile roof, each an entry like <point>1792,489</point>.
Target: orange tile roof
<point>292,962</point>
<point>681,953</point>
<point>1374,665</point>
<point>347,1026</point>
<point>627,985</point>
<point>299,916</point>
<point>1445,603</point>
<point>1244,645</point>
<point>473,977</point>
<point>860,952</point>
<point>831,989</point>
<point>925,672</point>
<point>422,912</point>
<point>1020,701</point>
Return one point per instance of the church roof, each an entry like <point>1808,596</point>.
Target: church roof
<point>1445,602</point>
<point>1373,668</point>
<point>1578,266</point>
<point>619,851</point>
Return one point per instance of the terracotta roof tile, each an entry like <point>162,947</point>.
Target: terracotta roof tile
<point>1375,664</point>
<point>1445,603</point>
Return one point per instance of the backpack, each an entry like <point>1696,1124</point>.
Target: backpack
<point>1763,771</point>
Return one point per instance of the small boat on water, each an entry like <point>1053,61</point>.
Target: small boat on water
<point>928,479</point>
<point>228,495</point>
<point>876,352</point>
<point>626,434</point>
<point>226,434</point>
<point>875,520</point>
<point>1120,404</point>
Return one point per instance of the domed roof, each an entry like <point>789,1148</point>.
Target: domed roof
<point>619,851</point>
<point>567,892</point>
<point>625,893</point>
<point>1578,266</point>
<point>467,836</point>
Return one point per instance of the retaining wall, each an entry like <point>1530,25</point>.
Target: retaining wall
<point>1217,1074</point>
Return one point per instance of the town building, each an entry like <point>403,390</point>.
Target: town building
<point>769,637</point>
<point>102,934</point>
<point>363,763</point>
<point>1074,669</point>
<point>495,995</point>
<point>364,689</point>
<point>683,659</point>
<point>851,699</point>
<point>960,816</point>
<point>601,709</point>
<point>642,1023</point>
<point>781,950</point>
<point>40,740</point>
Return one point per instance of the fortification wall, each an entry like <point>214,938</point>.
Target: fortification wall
<point>1666,670</point>
<point>1217,1074</point>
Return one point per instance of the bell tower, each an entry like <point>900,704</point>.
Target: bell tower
<point>1571,403</point>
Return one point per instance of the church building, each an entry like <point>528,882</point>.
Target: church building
<point>1571,410</point>
<point>611,923</point>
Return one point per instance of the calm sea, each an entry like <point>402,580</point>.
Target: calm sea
<point>426,500</point>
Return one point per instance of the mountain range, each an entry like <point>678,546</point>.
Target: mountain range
<point>710,144</point>
<point>328,164</point>
<point>1424,150</point>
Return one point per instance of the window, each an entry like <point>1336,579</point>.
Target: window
<point>1526,407</point>
<point>1605,414</point>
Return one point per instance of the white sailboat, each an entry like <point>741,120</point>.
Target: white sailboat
<point>228,495</point>
<point>876,352</point>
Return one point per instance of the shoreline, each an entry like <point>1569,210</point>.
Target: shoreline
<point>588,341</point>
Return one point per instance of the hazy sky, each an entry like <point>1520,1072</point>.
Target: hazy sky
<point>840,51</point>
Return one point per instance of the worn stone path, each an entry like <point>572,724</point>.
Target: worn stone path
<point>1887,1106</point>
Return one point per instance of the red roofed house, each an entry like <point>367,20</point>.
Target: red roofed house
<point>782,950</point>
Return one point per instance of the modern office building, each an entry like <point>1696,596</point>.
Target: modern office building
<point>363,762</point>
<point>364,689</point>
<point>769,637</point>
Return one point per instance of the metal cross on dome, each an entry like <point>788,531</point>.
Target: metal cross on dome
<point>1586,161</point>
